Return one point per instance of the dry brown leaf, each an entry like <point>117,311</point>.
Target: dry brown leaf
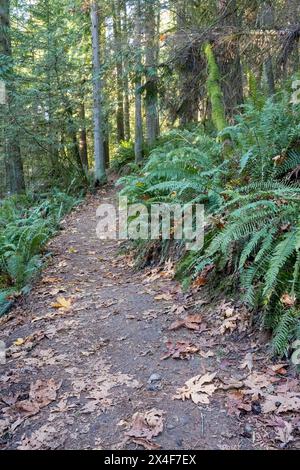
<point>147,425</point>
<point>288,300</point>
<point>247,363</point>
<point>258,381</point>
<point>62,302</point>
<point>44,392</point>
<point>281,403</point>
<point>46,437</point>
<point>50,280</point>
<point>165,297</point>
<point>198,389</point>
<point>229,325</point>
<point>148,445</point>
<point>207,354</point>
<point>180,350</point>
<point>192,322</point>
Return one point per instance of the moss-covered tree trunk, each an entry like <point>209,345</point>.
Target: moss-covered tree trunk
<point>214,89</point>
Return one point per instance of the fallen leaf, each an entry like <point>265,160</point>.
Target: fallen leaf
<point>247,363</point>
<point>44,392</point>
<point>19,342</point>
<point>180,350</point>
<point>281,403</point>
<point>207,354</point>
<point>145,426</point>
<point>198,389</point>
<point>192,322</point>
<point>62,302</point>
<point>284,433</point>
<point>165,297</point>
<point>288,300</point>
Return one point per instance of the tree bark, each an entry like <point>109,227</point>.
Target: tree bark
<point>83,138</point>
<point>267,19</point>
<point>138,146</point>
<point>127,126</point>
<point>151,101</point>
<point>13,158</point>
<point>119,69</point>
<point>229,59</point>
<point>100,173</point>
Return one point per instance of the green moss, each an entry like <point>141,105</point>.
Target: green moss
<point>214,90</point>
<point>255,95</point>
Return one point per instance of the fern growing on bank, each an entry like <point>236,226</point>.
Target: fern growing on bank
<point>252,201</point>
<point>25,228</point>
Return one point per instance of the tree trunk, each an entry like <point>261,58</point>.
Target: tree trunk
<point>188,68</point>
<point>127,126</point>
<point>229,60</point>
<point>83,139</point>
<point>138,147</point>
<point>13,159</point>
<point>267,19</point>
<point>119,69</point>
<point>100,173</point>
<point>152,120</point>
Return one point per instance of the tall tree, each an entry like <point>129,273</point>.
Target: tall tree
<point>100,171</point>
<point>119,68</point>
<point>13,159</point>
<point>267,19</point>
<point>229,57</point>
<point>125,36</point>
<point>152,118</point>
<point>138,147</point>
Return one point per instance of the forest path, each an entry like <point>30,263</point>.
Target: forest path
<point>78,371</point>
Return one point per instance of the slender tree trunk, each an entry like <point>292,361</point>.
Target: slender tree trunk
<point>119,69</point>
<point>82,138</point>
<point>188,70</point>
<point>127,126</point>
<point>14,165</point>
<point>152,120</point>
<point>105,98</point>
<point>52,133</point>
<point>72,134</point>
<point>229,59</point>
<point>138,147</point>
<point>100,173</point>
<point>267,19</point>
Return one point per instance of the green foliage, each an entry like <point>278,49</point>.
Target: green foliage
<point>123,156</point>
<point>252,205</point>
<point>26,224</point>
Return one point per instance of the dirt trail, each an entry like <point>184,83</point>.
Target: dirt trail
<point>76,375</point>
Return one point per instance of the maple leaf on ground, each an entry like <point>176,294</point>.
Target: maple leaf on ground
<point>180,350</point>
<point>281,403</point>
<point>46,437</point>
<point>145,426</point>
<point>165,297</point>
<point>191,322</point>
<point>40,395</point>
<point>198,389</point>
<point>247,362</point>
<point>62,302</point>
<point>256,382</point>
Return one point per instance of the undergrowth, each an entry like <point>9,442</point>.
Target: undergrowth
<point>251,195</point>
<point>26,224</point>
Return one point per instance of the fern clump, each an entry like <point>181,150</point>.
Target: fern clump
<point>252,205</point>
<point>25,227</point>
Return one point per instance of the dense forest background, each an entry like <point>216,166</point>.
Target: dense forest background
<point>203,93</point>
